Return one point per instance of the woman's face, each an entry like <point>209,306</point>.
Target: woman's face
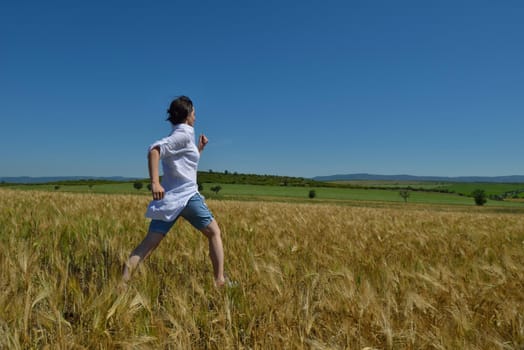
<point>191,118</point>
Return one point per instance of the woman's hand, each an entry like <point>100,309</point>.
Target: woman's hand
<point>157,190</point>
<point>202,142</point>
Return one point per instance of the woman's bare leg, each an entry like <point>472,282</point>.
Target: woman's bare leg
<point>141,252</point>
<point>216,251</point>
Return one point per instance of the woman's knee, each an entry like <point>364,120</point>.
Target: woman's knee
<point>212,230</point>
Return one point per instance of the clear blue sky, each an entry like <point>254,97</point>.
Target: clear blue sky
<point>298,88</point>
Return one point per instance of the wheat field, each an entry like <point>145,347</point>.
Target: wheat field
<point>307,276</point>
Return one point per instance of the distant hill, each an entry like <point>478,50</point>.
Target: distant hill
<point>274,180</point>
<point>39,180</point>
<point>372,177</point>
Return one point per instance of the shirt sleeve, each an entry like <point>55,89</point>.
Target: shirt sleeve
<point>170,146</point>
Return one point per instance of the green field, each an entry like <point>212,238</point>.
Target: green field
<point>106,188</point>
<point>464,188</point>
<point>490,188</point>
<point>342,195</point>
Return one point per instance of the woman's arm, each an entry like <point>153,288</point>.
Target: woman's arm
<point>153,162</point>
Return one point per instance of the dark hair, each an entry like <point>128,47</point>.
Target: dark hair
<point>179,109</point>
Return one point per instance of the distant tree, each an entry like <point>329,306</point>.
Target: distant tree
<point>226,172</point>
<point>312,194</point>
<point>149,187</point>
<point>138,185</point>
<point>200,187</point>
<point>57,187</point>
<point>404,194</point>
<point>479,196</point>
<point>496,197</point>
<point>216,189</point>
<point>90,186</point>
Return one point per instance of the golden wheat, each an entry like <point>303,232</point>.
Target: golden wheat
<point>308,277</point>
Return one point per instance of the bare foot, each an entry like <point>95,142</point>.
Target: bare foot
<point>220,283</point>
<point>122,287</point>
<point>225,282</point>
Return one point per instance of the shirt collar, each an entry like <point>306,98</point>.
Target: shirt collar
<point>184,126</point>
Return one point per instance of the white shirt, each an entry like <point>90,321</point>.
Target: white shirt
<point>179,155</point>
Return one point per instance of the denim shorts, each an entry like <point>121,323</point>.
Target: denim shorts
<point>195,211</point>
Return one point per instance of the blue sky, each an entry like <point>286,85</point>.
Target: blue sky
<point>297,88</point>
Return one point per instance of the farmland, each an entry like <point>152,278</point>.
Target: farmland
<point>308,274</point>
<point>272,188</point>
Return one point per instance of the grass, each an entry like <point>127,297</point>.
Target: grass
<point>106,188</point>
<point>350,195</point>
<point>465,188</point>
<point>316,276</point>
<point>289,193</point>
<point>233,190</point>
<point>489,188</point>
